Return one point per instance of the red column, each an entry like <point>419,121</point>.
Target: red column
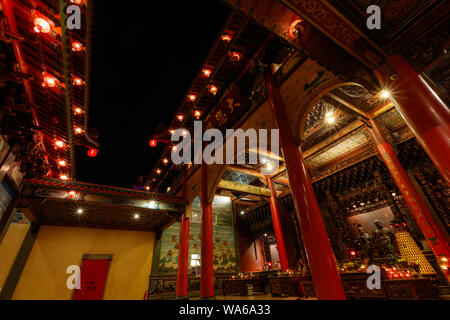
<point>320,256</point>
<point>424,219</point>
<point>424,112</point>
<point>207,259</point>
<point>277,226</point>
<point>183,258</point>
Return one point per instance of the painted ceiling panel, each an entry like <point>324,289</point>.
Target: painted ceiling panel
<point>355,141</point>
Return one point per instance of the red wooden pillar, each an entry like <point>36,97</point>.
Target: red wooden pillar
<point>320,255</point>
<point>277,226</point>
<point>183,258</point>
<point>424,112</point>
<point>207,258</point>
<point>424,219</point>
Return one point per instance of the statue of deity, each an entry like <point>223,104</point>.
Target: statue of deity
<point>384,242</point>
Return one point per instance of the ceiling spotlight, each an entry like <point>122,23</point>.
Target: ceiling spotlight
<point>80,211</point>
<point>158,171</point>
<point>394,194</point>
<point>72,193</point>
<point>331,120</point>
<point>147,188</point>
<point>136,216</point>
<point>180,117</point>
<point>165,161</point>
<point>78,130</point>
<point>192,97</point>
<point>385,94</point>
<point>78,110</point>
<point>63,177</point>
<point>242,212</point>
<point>197,114</point>
<point>265,234</point>
<point>62,163</point>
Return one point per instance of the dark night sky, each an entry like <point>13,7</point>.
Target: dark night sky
<point>145,56</point>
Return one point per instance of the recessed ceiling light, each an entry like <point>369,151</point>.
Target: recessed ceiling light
<point>331,120</point>
<point>80,210</point>
<point>136,216</point>
<point>385,94</point>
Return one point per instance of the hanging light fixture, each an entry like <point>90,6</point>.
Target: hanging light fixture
<point>76,46</point>
<point>59,143</point>
<point>226,38</point>
<point>192,97</point>
<point>41,25</point>
<point>197,114</point>
<point>92,152</point>
<point>235,56</point>
<point>206,72</point>
<point>77,81</point>
<point>62,163</point>
<point>49,82</point>
<point>153,143</point>
<point>213,89</point>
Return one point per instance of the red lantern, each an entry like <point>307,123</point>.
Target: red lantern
<point>153,143</point>
<point>92,152</point>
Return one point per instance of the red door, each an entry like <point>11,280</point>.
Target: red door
<point>93,279</point>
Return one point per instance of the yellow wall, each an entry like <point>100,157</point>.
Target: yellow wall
<point>44,275</point>
<point>9,248</point>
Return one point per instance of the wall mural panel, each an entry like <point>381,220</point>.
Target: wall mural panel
<point>223,237</point>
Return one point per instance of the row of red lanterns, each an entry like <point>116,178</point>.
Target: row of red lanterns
<point>41,25</point>
<point>213,89</point>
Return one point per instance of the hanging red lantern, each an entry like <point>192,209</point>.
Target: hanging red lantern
<point>92,152</point>
<point>153,143</point>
